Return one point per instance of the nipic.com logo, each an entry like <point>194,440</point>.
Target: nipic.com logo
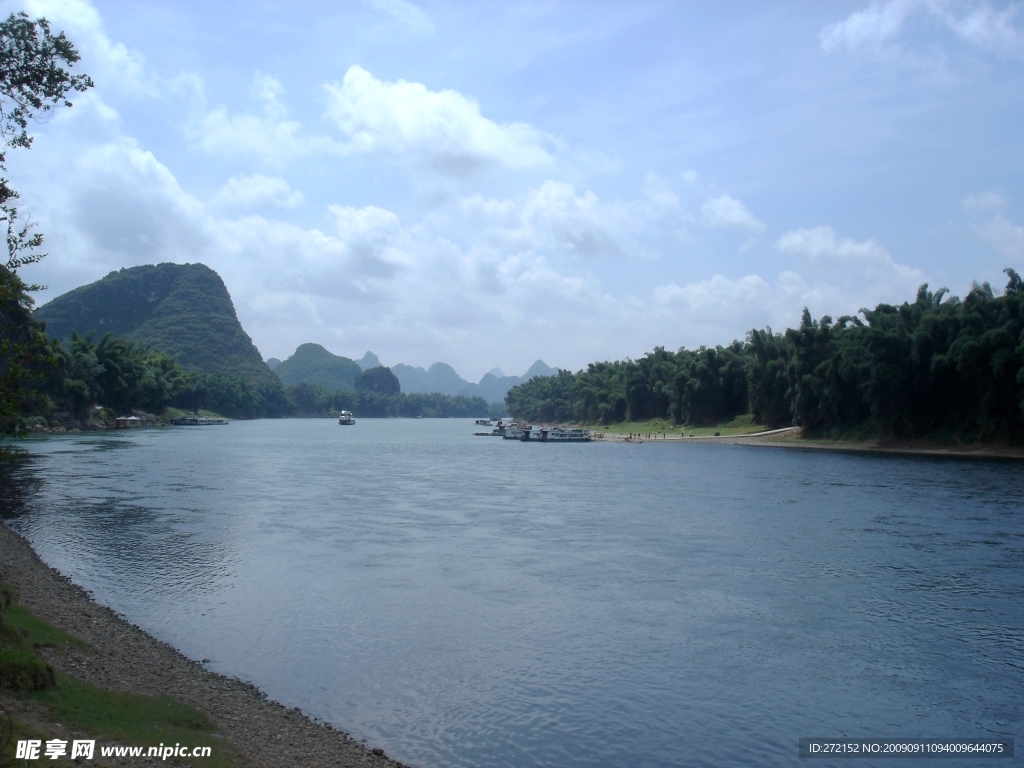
<point>85,749</point>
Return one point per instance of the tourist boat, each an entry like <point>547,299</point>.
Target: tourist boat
<point>500,427</point>
<point>514,431</point>
<point>566,435</point>
<point>346,417</point>
<point>540,434</point>
<point>196,421</point>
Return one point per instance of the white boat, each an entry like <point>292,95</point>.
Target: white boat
<point>555,435</point>
<point>514,432</point>
<point>346,418</point>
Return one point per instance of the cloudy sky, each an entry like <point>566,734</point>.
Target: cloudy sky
<point>491,183</point>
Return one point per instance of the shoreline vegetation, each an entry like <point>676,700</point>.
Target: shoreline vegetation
<point>938,370</point>
<point>103,664</point>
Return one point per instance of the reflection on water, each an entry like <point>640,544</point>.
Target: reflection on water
<point>472,602</point>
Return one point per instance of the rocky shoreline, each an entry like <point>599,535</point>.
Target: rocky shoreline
<point>124,658</point>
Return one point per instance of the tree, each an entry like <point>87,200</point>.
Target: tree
<point>33,81</point>
<point>380,380</point>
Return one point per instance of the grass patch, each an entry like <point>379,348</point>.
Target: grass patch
<point>23,670</point>
<point>36,632</point>
<point>108,716</point>
<point>134,719</point>
<point>741,425</point>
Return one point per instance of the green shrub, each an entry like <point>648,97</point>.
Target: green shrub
<point>24,670</point>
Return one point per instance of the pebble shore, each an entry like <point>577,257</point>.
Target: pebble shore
<point>267,734</point>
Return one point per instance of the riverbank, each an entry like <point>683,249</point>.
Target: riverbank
<point>119,656</point>
<point>790,437</point>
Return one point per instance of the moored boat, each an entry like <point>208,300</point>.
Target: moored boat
<point>543,434</point>
<point>514,432</point>
<point>196,421</point>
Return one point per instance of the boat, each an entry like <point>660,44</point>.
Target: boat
<point>559,435</point>
<point>196,421</point>
<point>514,431</point>
<point>484,422</point>
<point>541,434</point>
<point>346,418</point>
<point>500,427</point>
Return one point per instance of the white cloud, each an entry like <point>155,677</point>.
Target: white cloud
<point>869,261</point>
<point>442,130</point>
<point>821,243</point>
<point>875,24</point>
<point>718,306</point>
<point>269,135</point>
<point>660,192</point>
<point>984,26</point>
<point>989,222</point>
<point>724,308</point>
<point>256,191</point>
<point>977,23</point>
<point>411,16</point>
<point>716,294</point>
<point>554,218</point>
<point>725,212</point>
<point>983,202</point>
<point>109,63</point>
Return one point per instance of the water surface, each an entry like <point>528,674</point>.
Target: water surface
<point>467,601</point>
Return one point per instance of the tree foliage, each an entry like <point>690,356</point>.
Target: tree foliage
<point>937,365</point>
<point>113,373</point>
<point>379,380</point>
<point>33,80</point>
<point>701,386</point>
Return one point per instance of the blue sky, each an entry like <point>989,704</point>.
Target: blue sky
<point>491,183</point>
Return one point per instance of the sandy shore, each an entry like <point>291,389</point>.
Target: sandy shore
<point>127,659</point>
<point>789,437</point>
<point>792,439</point>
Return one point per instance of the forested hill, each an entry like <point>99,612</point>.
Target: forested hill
<point>312,364</point>
<point>181,309</point>
<point>938,366</point>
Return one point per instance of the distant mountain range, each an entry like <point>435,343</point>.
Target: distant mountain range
<point>312,364</point>
<point>441,377</point>
<point>185,310</point>
<point>182,309</point>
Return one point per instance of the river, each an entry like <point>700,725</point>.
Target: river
<point>467,601</point>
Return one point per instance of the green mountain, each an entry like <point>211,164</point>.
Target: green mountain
<point>181,309</point>
<point>312,364</point>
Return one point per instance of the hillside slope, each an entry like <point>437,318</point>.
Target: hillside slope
<point>182,309</point>
<point>312,364</point>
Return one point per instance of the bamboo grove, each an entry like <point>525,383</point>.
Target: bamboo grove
<point>937,366</point>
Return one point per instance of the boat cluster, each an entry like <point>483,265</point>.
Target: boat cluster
<point>513,430</point>
<point>186,421</point>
